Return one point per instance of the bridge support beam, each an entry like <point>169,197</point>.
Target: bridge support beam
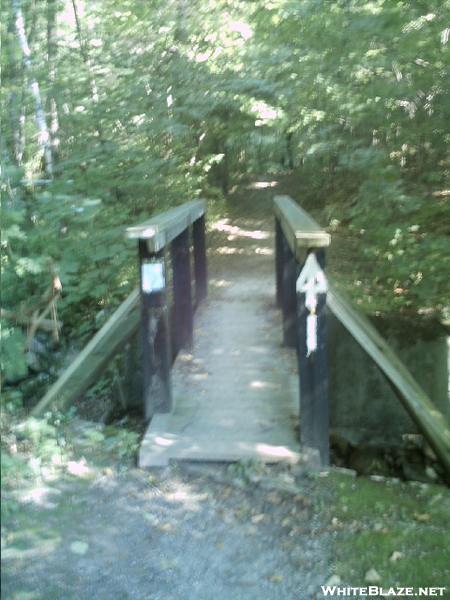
<point>156,355</point>
<point>200,270</point>
<point>279,262</point>
<point>289,300</point>
<point>300,250</point>
<point>313,372</point>
<point>182,293</point>
<point>155,237</point>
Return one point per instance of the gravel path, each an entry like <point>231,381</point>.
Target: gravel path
<point>189,532</point>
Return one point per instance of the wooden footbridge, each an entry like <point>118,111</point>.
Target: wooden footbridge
<point>242,380</point>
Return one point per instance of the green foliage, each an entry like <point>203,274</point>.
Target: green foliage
<point>368,82</point>
<point>44,442</point>
<point>375,519</point>
<point>245,468</point>
<point>13,362</point>
<point>123,442</point>
<point>150,104</point>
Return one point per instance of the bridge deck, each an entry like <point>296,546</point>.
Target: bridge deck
<point>236,392</point>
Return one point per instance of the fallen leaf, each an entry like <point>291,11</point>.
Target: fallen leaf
<point>335,524</point>
<point>357,526</point>
<point>79,548</point>
<point>333,580</point>
<point>150,518</point>
<point>302,499</point>
<point>164,527</point>
<point>167,565</point>
<point>258,518</point>
<point>227,493</point>
<point>299,529</point>
<point>276,578</point>
<point>227,517</point>
<point>422,517</point>
<point>285,522</point>
<point>274,499</point>
<point>396,556</point>
<point>372,577</point>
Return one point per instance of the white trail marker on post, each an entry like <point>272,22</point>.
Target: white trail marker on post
<point>311,281</point>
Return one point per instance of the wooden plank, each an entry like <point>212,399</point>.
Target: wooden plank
<point>162,229</point>
<point>95,356</point>
<point>422,410</point>
<point>200,266</point>
<point>300,229</point>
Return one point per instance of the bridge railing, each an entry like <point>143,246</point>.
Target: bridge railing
<point>301,293</point>
<point>157,238</point>
<point>304,293</point>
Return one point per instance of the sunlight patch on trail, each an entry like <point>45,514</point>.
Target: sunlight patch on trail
<point>260,185</point>
<point>228,250</point>
<point>221,283</point>
<point>235,231</point>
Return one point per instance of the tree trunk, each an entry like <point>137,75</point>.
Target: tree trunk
<point>44,138</point>
<point>17,111</point>
<point>52,60</point>
<point>87,62</point>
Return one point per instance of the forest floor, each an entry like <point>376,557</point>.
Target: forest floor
<point>82,522</point>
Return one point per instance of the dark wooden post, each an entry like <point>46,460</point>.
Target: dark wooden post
<point>156,356</point>
<point>289,295</point>
<point>279,261</point>
<point>313,374</point>
<point>182,292</point>
<point>200,270</point>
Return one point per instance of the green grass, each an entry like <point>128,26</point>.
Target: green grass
<point>372,520</point>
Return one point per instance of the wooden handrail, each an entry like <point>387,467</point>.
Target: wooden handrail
<point>168,232</point>
<point>297,233</point>
<point>164,228</point>
<point>422,410</point>
<point>300,229</point>
<point>154,237</point>
<point>93,359</point>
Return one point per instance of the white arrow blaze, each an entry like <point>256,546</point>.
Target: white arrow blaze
<point>311,281</point>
